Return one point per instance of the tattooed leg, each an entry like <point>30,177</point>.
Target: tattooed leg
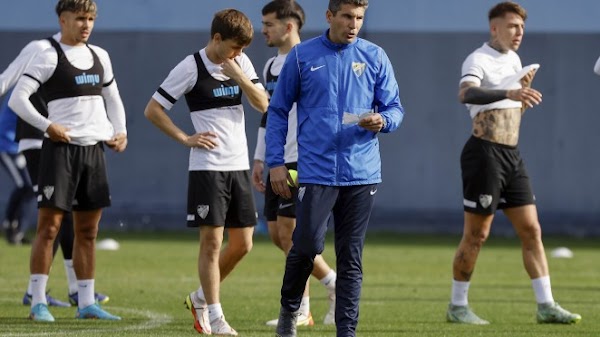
<point>476,231</point>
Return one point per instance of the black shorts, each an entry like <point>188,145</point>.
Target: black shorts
<point>218,198</point>
<point>275,205</point>
<point>494,177</point>
<point>33,164</point>
<point>72,177</point>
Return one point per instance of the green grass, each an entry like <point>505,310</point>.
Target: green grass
<point>405,292</point>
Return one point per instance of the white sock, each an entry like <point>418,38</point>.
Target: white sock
<point>305,305</point>
<point>460,293</point>
<point>38,288</point>
<point>329,281</point>
<point>71,277</point>
<point>542,290</point>
<point>214,312</point>
<point>29,287</point>
<point>85,290</point>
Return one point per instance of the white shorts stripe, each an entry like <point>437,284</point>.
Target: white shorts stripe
<point>469,203</point>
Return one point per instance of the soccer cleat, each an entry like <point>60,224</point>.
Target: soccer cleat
<point>463,314</point>
<point>95,312</point>
<point>301,320</point>
<point>100,298</point>
<point>220,327</point>
<point>330,316</point>
<point>286,325</point>
<point>40,313</point>
<point>53,302</point>
<point>553,313</point>
<point>199,310</point>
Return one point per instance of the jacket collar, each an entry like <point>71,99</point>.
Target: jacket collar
<point>336,46</point>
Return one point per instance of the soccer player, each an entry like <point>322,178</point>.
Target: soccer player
<point>85,112</point>
<point>30,145</point>
<point>282,21</point>
<point>493,173</point>
<point>219,188</point>
<point>346,95</point>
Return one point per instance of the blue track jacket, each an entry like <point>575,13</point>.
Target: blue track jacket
<point>8,127</point>
<point>328,80</point>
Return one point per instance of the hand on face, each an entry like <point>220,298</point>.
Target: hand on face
<point>232,70</point>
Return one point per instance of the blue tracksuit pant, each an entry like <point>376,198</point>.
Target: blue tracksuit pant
<point>351,208</point>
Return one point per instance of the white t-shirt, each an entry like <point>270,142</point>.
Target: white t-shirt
<point>488,67</point>
<point>13,72</point>
<point>291,142</point>
<point>228,123</point>
<point>88,119</point>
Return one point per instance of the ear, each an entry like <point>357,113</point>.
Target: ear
<point>328,15</point>
<point>289,26</point>
<point>217,37</point>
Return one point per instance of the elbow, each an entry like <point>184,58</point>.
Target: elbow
<point>150,111</point>
<point>461,97</point>
<point>13,104</point>
<point>261,105</point>
<point>264,107</point>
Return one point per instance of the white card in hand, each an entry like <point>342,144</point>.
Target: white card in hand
<point>350,118</point>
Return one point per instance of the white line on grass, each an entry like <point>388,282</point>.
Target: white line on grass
<point>154,321</point>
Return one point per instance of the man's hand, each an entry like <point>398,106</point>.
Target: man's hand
<point>528,96</point>
<point>58,133</point>
<point>372,122</point>
<point>204,140</point>
<point>257,175</point>
<point>232,70</point>
<point>279,181</point>
<point>118,143</point>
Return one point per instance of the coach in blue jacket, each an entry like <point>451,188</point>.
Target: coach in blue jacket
<point>346,94</point>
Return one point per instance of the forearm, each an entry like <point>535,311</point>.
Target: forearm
<point>114,108</point>
<point>20,104</point>
<point>480,96</point>
<point>259,151</point>
<point>255,94</point>
<point>155,113</point>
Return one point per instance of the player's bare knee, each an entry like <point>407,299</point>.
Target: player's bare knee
<point>531,232</point>
<point>48,232</point>
<point>88,233</point>
<point>476,238</point>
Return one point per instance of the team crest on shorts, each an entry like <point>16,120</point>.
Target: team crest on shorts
<point>301,192</point>
<point>202,211</point>
<point>48,191</point>
<point>485,200</point>
<point>358,68</point>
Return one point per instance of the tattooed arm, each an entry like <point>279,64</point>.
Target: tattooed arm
<point>471,93</point>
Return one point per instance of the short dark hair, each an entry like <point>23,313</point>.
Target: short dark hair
<point>232,24</point>
<point>285,9</point>
<point>76,6</point>
<point>507,7</point>
<point>336,5</point>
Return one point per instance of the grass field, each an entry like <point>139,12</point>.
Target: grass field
<point>405,292</point>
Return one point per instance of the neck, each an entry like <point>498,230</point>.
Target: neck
<point>496,46</point>
<point>212,54</point>
<point>71,42</point>
<point>289,43</point>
